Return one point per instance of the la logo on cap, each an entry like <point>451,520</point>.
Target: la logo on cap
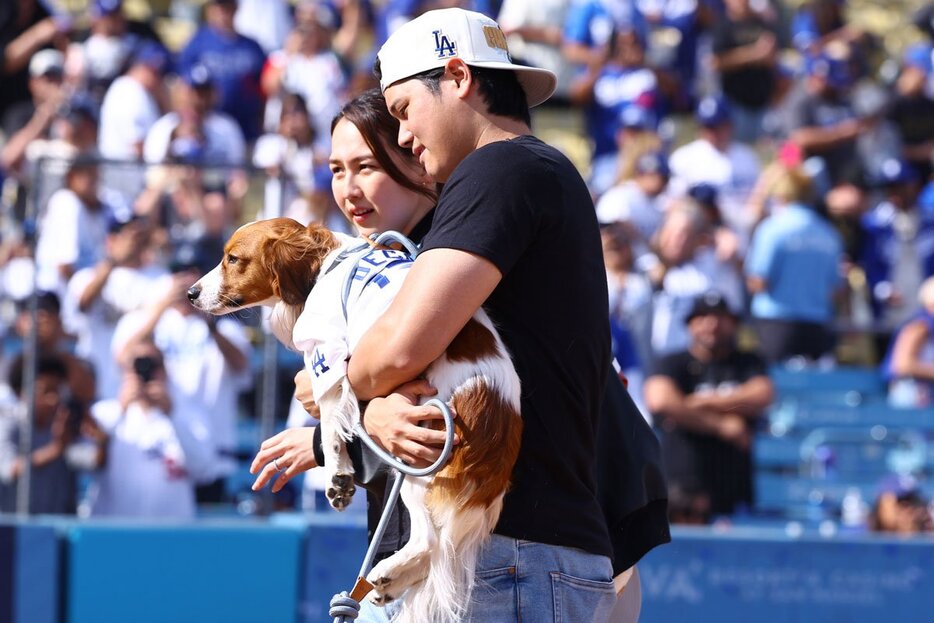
<point>444,46</point>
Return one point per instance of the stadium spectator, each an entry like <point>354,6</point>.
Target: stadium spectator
<point>603,89</point>
<point>234,60</point>
<point>207,364</point>
<point>64,441</point>
<point>133,103</point>
<point>912,109</point>
<point>308,66</point>
<point>794,316</point>
<point>74,228</point>
<point>706,401</point>
<point>716,158</point>
<point>298,183</point>
<point>824,122</point>
<point>95,62</point>
<point>533,29</point>
<point>589,28</point>
<point>153,455</point>
<point>265,21</point>
<point>53,341</point>
<point>126,278</point>
<point>687,266</point>
<point>909,364</point>
<point>26,26</point>
<point>196,130</point>
<point>672,28</point>
<point>639,202</point>
<point>630,297</point>
<point>31,119</point>
<point>901,508</point>
<point>817,24</point>
<point>897,246</point>
<point>745,55</point>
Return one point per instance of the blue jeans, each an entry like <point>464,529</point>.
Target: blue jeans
<point>532,583</point>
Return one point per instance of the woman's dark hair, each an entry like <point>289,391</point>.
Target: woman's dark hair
<point>368,112</point>
<point>499,88</point>
<point>295,103</point>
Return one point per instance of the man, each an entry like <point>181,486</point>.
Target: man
<point>745,54</point>
<point>706,400</point>
<point>531,255</point>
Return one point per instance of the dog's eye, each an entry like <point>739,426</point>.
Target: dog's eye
<point>232,259</point>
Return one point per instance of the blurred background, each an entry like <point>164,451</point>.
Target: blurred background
<point>762,176</point>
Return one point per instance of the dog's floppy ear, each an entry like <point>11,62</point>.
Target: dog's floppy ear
<point>295,256</point>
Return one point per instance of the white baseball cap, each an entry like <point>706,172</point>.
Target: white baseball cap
<point>435,37</point>
<point>46,61</point>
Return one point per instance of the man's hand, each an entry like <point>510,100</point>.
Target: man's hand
<point>733,430</point>
<point>394,422</point>
<point>305,395</point>
<point>286,454</point>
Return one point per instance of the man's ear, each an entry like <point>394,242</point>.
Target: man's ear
<point>459,73</point>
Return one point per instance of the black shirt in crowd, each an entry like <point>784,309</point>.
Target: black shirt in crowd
<point>697,462</point>
<point>750,87</point>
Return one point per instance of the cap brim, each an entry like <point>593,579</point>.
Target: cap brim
<point>539,84</point>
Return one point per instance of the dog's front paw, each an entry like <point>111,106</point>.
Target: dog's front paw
<point>385,589</point>
<point>341,491</point>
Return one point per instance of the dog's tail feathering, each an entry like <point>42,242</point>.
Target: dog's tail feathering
<point>445,595</point>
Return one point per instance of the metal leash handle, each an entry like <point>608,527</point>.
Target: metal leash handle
<point>345,606</point>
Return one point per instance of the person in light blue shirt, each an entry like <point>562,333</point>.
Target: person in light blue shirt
<point>793,272</point>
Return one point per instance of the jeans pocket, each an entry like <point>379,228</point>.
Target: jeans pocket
<point>495,597</point>
<point>578,600</point>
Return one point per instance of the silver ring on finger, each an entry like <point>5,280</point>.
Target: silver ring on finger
<point>275,462</point>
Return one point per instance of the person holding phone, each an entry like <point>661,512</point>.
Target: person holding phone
<point>154,457</point>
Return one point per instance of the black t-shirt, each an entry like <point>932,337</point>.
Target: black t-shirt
<point>748,86</point>
<point>16,85</point>
<point>914,118</point>
<point>698,462</point>
<point>523,206</point>
<point>819,111</point>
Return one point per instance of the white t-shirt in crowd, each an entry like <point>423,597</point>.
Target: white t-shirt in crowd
<point>224,139</point>
<point>127,114</point>
<point>204,387</point>
<point>69,234</point>
<point>126,289</point>
<point>146,471</point>
<point>733,172</point>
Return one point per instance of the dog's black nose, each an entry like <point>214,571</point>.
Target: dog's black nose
<point>193,293</point>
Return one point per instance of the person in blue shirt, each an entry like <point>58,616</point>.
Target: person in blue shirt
<point>909,364</point>
<point>234,60</point>
<point>605,89</point>
<point>589,27</point>
<point>897,252</point>
<point>672,28</point>
<point>793,273</point>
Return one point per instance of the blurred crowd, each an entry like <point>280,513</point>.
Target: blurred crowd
<point>761,170</point>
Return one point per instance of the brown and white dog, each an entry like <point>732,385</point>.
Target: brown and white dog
<point>280,263</point>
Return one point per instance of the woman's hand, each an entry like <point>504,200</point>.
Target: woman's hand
<point>394,421</point>
<point>286,454</point>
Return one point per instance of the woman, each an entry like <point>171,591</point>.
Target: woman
<point>379,187</point>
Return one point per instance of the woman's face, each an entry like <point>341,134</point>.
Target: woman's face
<point>365,193</point>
